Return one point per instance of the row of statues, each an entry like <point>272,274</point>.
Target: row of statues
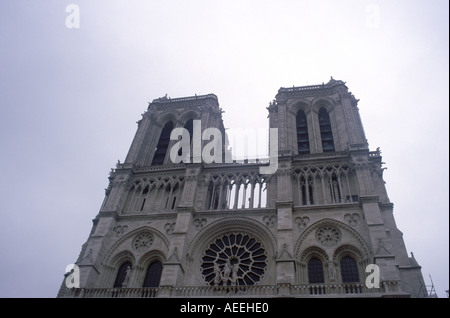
<point>229,273</point>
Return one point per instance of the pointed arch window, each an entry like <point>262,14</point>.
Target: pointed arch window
<point>212,202</point>
<point>306,190</point>
<point>302,133</point>
<point>335,188</point>
<point>315,271</point>
<point>163,144</point>
<point>326,133</point>
<point>349,270</point>
<point>121,274</point>
<point>189,126</point>
<point>172,192</point>
<point>153,274</point>
<point>144,193</point>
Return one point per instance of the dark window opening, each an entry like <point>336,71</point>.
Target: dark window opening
<point>153,274</point>
<point>307,191</point>
<point>302,133</point>
<point>352,198</point>
<point>326,133</point>
<point>163,144</point>
<point>121,274</point>
<point>335,189</point>
<point>212,202</point>
<point>189,126</point>
<point>173,203</point>
<point>315,272</point>
<point>349,270</point>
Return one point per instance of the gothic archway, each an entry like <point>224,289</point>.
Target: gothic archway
<point>232,251</point>
<point>329,240</point>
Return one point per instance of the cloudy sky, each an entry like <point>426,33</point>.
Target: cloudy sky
<point>70,99</point>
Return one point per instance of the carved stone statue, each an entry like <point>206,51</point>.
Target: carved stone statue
<point>331,271</point>
<point>234,277</point>
<point>217,276</point>
<point>226,272</point>
<point>127,277</point>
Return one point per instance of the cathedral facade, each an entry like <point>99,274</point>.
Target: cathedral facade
<point>182,219</point>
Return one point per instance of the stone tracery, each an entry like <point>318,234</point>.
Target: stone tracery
<point>234,259</point>
<point>142,242</point>
<point>324,184</point>
<point>155,193</point>
<point>328,235</point>
<point>236,190</point>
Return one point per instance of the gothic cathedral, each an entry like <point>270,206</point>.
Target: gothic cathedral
<point>318,225</point>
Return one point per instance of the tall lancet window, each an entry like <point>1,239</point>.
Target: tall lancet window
<point>302,133</point>
<point>349,270</point>
<point>189,126</point>
<point>153,274</point>
<point>315,272</point>
<point>122,274</point>
<point>163,144</point>
<point>325,131</point>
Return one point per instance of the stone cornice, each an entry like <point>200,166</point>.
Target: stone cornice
<point>332,87</point>
<point>164,103</point>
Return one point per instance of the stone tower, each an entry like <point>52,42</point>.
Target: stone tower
<point>320,225</point>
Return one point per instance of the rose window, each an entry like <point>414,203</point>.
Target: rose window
<point>234,259</point>
<point>328,236</point>
<point>142,242</point>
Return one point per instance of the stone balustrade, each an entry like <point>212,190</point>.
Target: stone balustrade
<point>387,288</point>
<point>113,292</point>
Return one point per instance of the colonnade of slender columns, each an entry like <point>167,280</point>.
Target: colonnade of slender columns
<point>323,185</point>
<point>238,193</point>
<point>156,195</point>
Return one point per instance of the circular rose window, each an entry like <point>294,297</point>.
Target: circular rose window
<point>328,236</point>
<point>234,259</point>
<point>142,242</point>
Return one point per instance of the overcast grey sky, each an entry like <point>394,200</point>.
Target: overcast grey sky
<point>70,99</point>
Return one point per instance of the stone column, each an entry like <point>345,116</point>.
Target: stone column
<point>88,261</point>
<point>174,267</point>
<point>173,270</point>
<point>384,254</point>
<point>285,263</point>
